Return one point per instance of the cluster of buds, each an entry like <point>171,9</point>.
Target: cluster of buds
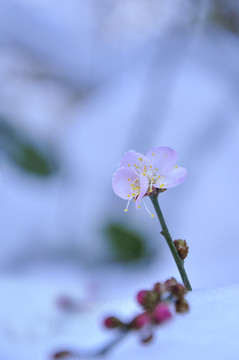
<point>156,304</point>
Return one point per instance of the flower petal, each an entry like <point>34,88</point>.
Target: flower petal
<point>144,184</point>
<point>122,181</point>
<point>163,158</point>
<point>172,178</point>
<point>136,161</point>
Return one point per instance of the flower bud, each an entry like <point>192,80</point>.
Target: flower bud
<point>142,296</point>
<point>148,299</point>
<point>170,282</point>
<point>141,320</point>
<point>161,313</point>
<point>182,248</point>
<point>178,291</point>
<point>112,322</point>
<point>181,306</point>
<point>159,288</point>
<point>147,339</point>
<point>62,355</point>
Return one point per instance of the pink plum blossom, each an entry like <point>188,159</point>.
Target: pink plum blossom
<point>139,175</point>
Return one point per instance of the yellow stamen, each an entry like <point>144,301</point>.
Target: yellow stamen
<point>129,165</point>
<point>128,195</point>
<point>153,153</point>
<point>140,159</point>
<point>126,209</point>
<point>128,179</point>
<point>161,186</point>
<point>176,166</point>
<point>152,215</point>
<point>150,166</point>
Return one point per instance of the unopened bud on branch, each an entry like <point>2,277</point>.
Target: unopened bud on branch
<point>112,322</point>
<point>182,248</point>
<point>181,306</point>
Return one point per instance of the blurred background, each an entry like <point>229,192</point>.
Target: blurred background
<point>82,82</point>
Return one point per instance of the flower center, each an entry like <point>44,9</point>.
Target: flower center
<point>153,177</point>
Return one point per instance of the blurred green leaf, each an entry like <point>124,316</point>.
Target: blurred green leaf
<point>126,244</point>
<point>32,157</point>
<point>225,13</point>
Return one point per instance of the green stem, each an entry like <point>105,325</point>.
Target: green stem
<point>168,238</point>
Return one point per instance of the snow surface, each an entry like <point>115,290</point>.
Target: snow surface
<point>33,327</point>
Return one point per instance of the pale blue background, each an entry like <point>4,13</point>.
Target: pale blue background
<point>95,79</point>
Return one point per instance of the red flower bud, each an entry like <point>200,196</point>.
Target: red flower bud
<point>112,322</point>
<point>142,296</point>
<point>141,320</point>
<point>161,313</point>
